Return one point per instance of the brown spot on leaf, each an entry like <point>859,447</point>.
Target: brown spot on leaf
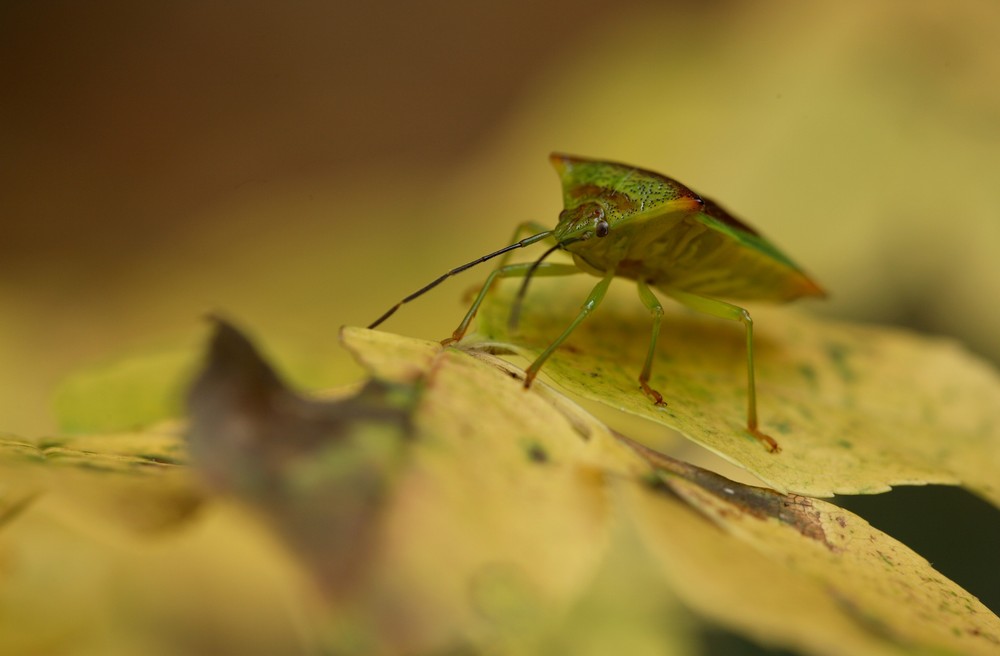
<point>536,453</point>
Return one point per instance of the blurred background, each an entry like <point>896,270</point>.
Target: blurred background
<point>303,166</point>
<point>300,166</point>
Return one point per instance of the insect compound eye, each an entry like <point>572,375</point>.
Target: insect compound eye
<point>601,229</point>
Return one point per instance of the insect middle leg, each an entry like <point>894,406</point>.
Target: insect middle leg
<point>653,305</point>
<point>595,298</point>
<point>508,271</point>
<point>725,310</point>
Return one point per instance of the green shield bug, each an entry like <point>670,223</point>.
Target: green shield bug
<point>623,221</point>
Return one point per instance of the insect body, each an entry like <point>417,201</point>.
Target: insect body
<point>623,221</point>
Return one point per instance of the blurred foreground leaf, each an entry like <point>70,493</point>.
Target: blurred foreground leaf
<point>73,512</point>
<point>321,471</point>
<point>135,481</point>
<point>513,522</point>
<point>856,409</point>
<point>439,508</point>
<point>126,393</point>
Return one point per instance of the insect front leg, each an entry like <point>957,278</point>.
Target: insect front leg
<point>508,271</point>
<point>653,305</point>
<point>729,311</point>
<point>595,298</point>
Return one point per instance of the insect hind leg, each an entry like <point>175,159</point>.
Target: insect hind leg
<point>653,305</point>
<point>725,310</point>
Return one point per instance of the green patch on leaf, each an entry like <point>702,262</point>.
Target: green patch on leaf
<point>125,394</point>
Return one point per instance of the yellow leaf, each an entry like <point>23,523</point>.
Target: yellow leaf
<point>474,500</point>
<point>856,409</point>
<point>472,515</point>
<point>790,553</point>
<point>502,498</point>
<point>103,483</point>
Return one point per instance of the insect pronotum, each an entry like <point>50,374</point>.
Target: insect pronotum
<point>623,221</point>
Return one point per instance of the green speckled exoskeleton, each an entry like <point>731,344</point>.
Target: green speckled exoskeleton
<point>623,221</point>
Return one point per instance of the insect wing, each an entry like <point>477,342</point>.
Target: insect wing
<point>755,267</point>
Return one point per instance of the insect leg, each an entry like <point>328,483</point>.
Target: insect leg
<point>653,305</point>
<point>729,311</point>
<point>595,298</point>
<point>508,271</point>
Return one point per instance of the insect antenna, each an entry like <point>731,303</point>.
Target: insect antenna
<point>515,308</point>
<point>527,241</point>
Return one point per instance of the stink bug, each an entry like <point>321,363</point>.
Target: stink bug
<point>623,221</point>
